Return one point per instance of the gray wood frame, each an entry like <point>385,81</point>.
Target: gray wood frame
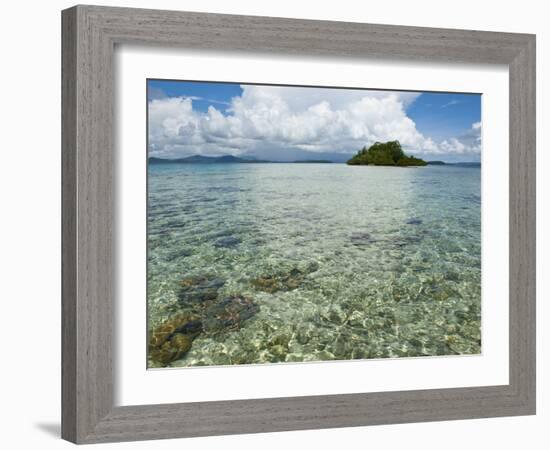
<point>89,36</point>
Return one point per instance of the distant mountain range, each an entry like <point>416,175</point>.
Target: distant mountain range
<point>230,159</point>
<point>458,164</point>
<point>225,159</point>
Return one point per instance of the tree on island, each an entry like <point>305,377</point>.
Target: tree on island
<point>384,154</point>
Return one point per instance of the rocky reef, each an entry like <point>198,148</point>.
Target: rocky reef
<point>199,289</point>
<point>173,338</point>
<point>229,313</point>
<point>283,281</point>
<point>279,282</point>
<point>201,310</point>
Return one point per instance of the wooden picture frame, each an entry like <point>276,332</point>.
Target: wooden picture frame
<point>90,34</point>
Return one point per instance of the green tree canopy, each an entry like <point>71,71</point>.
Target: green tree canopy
<point>384,154</point>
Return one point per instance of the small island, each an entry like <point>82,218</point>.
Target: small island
<point>384,154</point>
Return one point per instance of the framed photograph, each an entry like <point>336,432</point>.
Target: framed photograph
<point>278,224</point>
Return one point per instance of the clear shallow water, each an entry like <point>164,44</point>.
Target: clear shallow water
<point>339,262</point>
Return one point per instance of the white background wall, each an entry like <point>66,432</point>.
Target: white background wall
<point>30,222</point>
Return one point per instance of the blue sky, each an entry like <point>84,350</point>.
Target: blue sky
<point>218,95</point>
<point>282,122</point>
<point>443,116</point>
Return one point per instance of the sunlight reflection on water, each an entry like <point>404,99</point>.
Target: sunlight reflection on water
<point>342,262</point>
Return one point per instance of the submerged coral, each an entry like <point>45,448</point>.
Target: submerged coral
<point>229,313</point>
<point>201,312</point>
<point>227,242</point>
<point>283,281</point>
<point>199,289</point>
<point>173,338</point>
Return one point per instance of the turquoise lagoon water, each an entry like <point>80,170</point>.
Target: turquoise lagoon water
<point>339,262</point>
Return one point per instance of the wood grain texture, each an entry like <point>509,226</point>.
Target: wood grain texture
<point>89,36</point>
<point>68,225</point>
<point>522,224</point>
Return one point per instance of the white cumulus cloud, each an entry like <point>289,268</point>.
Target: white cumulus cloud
<point>468,143</point>
<point>269,117</point>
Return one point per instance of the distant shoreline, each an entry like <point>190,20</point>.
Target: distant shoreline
<point>154,160</point>
<point>230,159</point>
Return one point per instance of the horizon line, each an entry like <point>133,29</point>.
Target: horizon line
<point>294,160</point>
